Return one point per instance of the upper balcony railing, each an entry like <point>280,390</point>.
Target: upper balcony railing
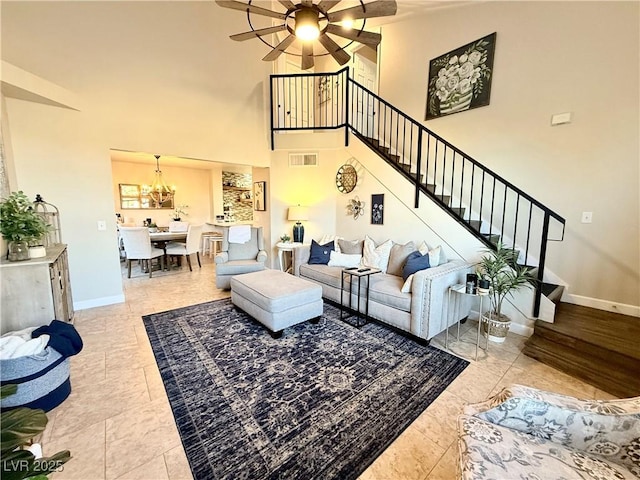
<point>487,205</point>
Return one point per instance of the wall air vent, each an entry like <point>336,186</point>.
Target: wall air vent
<point>303,159</point>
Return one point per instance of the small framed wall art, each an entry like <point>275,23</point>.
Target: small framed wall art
<point>377,209</point>
<point>260,196</point>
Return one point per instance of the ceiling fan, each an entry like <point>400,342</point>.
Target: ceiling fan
<point>308,21</point>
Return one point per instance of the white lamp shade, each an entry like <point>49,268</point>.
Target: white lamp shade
<point>297,213</point>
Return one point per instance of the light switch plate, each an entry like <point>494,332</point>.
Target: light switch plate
<point>560,118</point>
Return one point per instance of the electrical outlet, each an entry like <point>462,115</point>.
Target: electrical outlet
<point>587,217</point>
<point>102,225</point>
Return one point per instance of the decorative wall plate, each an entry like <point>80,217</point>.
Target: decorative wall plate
<point>346,178</point>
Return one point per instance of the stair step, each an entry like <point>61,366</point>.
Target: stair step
<point>475,224</point>
<point>431,187</point>
<point>552,292</point>
<point>459,211</point>
<point>492,237</point>
<point>597,346</point>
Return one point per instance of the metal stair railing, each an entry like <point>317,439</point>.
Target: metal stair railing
<point>487,205</point>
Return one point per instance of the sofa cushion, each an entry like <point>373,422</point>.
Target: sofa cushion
<point>493,451</point>
<point>376,256</point>
<point>385,289</point>
<point>320,254</point>
<point>351,246</point>
<point>398,257</point>
<point>322,274</point>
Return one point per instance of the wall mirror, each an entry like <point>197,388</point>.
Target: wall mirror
<point>133,196</point>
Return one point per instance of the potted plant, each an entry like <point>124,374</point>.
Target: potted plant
<point>285,238</point>
<point>178,212</point>
<point>499,267</point>
<point>19,225</point>
<point>19,426</point>
<point>153,228</point>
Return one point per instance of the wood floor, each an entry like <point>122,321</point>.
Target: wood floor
<point>602,348</point>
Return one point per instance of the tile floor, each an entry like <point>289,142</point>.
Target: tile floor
<point>118,424</point>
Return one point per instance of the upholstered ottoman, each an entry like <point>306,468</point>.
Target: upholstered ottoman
<point>276,299</point>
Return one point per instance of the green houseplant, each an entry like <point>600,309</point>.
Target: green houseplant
<point>19,426</point>
<point>20,224</point>
<point>505,276</point>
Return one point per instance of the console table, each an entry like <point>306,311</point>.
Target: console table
<point>35,292</point>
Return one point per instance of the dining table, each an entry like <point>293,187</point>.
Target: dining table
<point>160,240</point>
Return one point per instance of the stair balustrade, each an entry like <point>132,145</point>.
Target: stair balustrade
<point>491,208</point>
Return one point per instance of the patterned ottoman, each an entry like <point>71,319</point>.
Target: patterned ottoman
<point>276,299</point>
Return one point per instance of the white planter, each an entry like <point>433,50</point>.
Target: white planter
<point>37,252</point>
<point>495,329</point>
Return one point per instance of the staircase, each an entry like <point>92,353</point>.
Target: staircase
<point>601,348</point>
<point>489,207</point>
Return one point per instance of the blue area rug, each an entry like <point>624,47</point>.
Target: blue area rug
<point>322,402</point>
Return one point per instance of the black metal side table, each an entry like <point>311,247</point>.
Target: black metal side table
<point>347,311</point>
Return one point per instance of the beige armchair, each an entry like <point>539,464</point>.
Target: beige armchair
<point>239,258</point>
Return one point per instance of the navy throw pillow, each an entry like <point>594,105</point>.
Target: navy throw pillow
<point>320,254</point>
<point>415,261</point>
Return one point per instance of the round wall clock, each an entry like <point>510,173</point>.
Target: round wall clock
<point>346,178</point>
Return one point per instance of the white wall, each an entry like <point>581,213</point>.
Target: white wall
<point>193,188</point>
<point>151,77</point>
<point>551,57</point>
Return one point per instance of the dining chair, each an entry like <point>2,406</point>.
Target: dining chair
<point>137,246</point>
<point>192,245</point>
<point>178,227</point>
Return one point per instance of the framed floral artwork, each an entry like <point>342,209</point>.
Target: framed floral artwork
<point>461,79</point>
<point>377,209</point>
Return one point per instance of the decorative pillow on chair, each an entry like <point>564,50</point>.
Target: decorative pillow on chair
<point>346,260</point>
<point>376,256</point>
<point>398,257</point>
<point>320,254</point>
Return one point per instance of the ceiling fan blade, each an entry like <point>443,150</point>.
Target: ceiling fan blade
<point>307,55</point>
<point>368,38</point>
<point>334,49</point>
<point>279,49</point>
<point>378,8</point>
<point>257,33</point>
<point>236,5</point>
<point>326,5</point>
<point>288,4</point>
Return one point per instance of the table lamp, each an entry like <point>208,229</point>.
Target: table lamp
<point>296,214</point>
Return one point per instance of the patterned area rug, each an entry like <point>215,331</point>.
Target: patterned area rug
<point>322,402</point>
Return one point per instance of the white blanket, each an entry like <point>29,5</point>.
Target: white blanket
<point>239,234</point>
<point>20,344</point>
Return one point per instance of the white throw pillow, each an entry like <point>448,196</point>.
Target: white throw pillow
<point>436,255</point>
<point>346,260</point>
<point>406,287</point>
<point>331,238</point>
<point>376,256</point>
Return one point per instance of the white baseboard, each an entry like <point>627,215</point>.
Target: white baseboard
<point>632,310</point>
<point>98,302</point>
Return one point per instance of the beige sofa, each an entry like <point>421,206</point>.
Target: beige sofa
<point>422,312</point>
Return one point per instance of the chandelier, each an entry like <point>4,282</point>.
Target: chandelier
<point>159,191</point>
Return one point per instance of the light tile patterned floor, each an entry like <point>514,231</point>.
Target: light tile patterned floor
<point>117,422</point>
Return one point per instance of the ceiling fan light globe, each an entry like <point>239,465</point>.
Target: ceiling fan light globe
<point>307,26</point>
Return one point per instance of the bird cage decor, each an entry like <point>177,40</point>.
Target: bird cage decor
<point>51,215</point>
